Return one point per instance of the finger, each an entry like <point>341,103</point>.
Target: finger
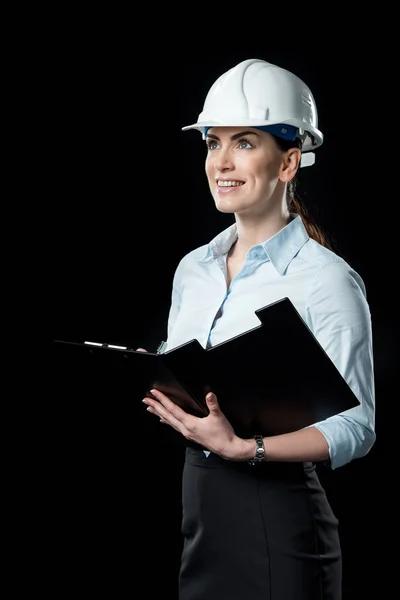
<point>155,410</point>
<point>212,402</point>
<point>154,407</point>
<point>171,407</point>
<point>169,411</point>
<point>141,350</point>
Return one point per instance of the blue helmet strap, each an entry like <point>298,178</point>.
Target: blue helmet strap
<point>286,132</point>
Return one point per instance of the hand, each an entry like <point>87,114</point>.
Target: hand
<point>213,432</point>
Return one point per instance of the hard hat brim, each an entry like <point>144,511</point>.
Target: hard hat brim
<point>314,133</point>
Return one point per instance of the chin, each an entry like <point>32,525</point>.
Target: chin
<point>225,211</point>
<point>224,207</point>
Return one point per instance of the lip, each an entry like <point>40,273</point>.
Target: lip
<point>227,190</point>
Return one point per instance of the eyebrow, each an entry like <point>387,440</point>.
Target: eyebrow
<point>235,136</point>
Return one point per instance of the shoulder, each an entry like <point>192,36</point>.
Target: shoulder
<point>332,272</point>
<point>195,255</point>
<point>190,259</point>
<point>337,293</point>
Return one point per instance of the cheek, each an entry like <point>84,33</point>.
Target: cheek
<point>209,170</point>
<point>265,175</point>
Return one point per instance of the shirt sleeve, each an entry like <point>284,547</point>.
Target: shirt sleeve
<point>175,300</point>
<point>339,316</point>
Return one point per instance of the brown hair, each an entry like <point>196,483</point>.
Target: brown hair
<point>295,205</point>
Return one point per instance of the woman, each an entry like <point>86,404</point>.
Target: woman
<point>265,531</point>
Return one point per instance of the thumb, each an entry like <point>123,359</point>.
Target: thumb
<point>212,402</point>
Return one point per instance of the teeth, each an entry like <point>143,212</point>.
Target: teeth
<point>229,183</point>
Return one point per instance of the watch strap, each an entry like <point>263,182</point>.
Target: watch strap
<point>259,456</point>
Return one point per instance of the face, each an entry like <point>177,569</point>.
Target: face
<point>245,169</point>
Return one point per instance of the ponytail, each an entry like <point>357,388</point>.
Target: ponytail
<point>295,205</point>
<point>314,230</point>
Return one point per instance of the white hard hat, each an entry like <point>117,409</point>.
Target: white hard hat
<point>256,93</point>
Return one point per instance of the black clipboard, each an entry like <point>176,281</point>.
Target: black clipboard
<point>275,378</point>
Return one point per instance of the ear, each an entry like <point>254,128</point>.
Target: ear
<point>290,164</point>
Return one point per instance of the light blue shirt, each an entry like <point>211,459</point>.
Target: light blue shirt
<point>326,291</point>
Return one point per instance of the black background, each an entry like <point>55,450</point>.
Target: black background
<point>128,198</point>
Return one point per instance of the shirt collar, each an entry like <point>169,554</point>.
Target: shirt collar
<point>280,248</point>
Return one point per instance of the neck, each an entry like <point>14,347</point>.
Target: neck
<point>250,235</point>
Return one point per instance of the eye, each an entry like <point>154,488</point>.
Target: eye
<point>211,144</point>
<point>245,144</point>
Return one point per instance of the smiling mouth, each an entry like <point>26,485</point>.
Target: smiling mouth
<point>231,183</point>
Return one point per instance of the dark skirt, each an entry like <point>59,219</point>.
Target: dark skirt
<point>256,532</point>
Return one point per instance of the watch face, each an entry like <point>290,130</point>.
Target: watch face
<point>259,453</point>
<point>260,448</point>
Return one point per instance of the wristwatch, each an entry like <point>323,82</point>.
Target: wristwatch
<point>259,456</point>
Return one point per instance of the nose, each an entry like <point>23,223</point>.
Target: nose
<point>224,161</point>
